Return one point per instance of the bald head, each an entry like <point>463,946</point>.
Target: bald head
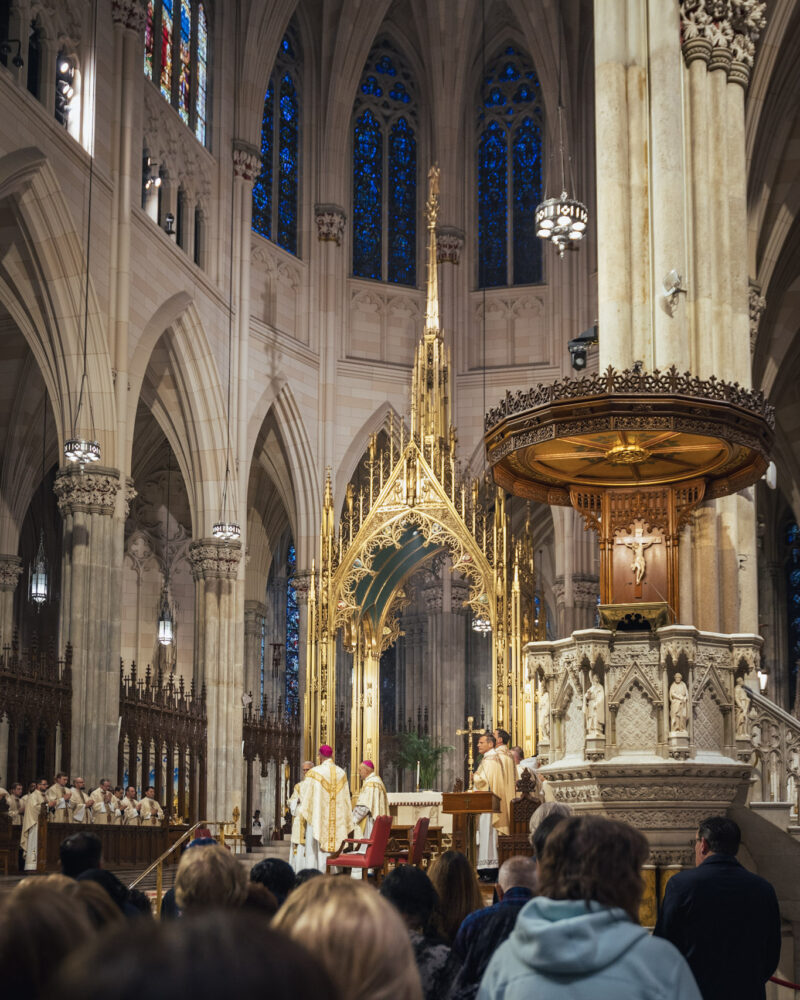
<point>518,871</point>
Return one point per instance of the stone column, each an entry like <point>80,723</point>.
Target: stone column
<point>93,510</point>
<point>330,221</point>
<point>254,614</point>
<point>218,666</point>
<point>10,569</point>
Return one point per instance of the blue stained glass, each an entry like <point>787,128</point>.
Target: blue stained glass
<point>496,98</point>
<point>287,167</point>
<point>402,204</point>
<point>508,72</point>
<point>286,46</point>
<point>492,205</point>
<point>523,94</point>
<point>793,534</point>
<point>371,87</point>
<point>292,637</point>
<point>262,188</point>
<point>386,66</point>
<point>527,193</point>
<point>792,538</point>
<point>794,578</point>
<point>399,93</point>
<point>367,196</point>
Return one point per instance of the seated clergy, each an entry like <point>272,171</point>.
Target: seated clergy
<point>150,812</point>
<point>58,796</point>
<point>80,804</point>
<point>102,802</point>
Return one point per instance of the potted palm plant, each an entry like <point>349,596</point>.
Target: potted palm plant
<point>417,749</point>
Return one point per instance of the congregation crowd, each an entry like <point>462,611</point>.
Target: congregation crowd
<point>565,923</point>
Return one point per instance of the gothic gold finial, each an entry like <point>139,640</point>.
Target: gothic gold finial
<point>432,209</point>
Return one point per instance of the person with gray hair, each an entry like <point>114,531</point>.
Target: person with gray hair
<point>483,931</point>
<point>547,809</point>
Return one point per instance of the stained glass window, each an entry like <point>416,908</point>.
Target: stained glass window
<point>176,58</point>
<point>201,110</point>
<point>509,172</point>
<point>292,637</point>
<point>184,65</point>
<point>367,198</point>
<point>385,121</point>
<point>287,166</point>
<point>149,40</point>
<point>792,539</point>
<point>262,187</point>
<point>276,189</point>
<point>166,49</point>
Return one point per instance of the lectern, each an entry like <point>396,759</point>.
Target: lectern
<point>464,807</point>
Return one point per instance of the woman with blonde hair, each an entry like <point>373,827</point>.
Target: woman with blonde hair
<point>357,936</point>
<point>458,888</point>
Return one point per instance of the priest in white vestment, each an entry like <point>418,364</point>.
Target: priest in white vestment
<point>150,812</point>
<point>130,807</point>
<point>15,807</point>
<point>29,839</point>
<point>297,850</point>
<point>372,802</point>
<point>102,802</point>
<point>58,796</point>
<point>80,804</point>
<point>325,807</point>
<point>496,773</point>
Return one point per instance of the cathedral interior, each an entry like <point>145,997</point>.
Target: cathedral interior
<point>251,352</point>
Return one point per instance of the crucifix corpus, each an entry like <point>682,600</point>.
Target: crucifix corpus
<point>638,542</point>
<point>469,732</point>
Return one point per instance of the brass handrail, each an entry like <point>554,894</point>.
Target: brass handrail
<point>159,862</point>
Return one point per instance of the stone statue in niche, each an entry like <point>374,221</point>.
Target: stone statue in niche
<point>678,706</point>
<point>544,716</point>
<point>742,703</point>
<point>594,707</point>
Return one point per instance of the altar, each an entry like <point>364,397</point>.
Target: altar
<point>408,807</point>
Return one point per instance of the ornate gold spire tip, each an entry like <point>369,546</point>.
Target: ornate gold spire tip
<point>432,210</point>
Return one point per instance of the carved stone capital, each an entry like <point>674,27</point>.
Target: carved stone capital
<point>723,33</point>
<point>91,492</point>
<point>130,495</point>
<point>330,220</point>
<point>246,160</point>
<point>748,20</point>
<point>757,304</point>
<point>214,559</point>
<point>302,585</point>
<point>449,244</point>
<point>585,590</point>
<point>10,569</point>
<point>129,13</point>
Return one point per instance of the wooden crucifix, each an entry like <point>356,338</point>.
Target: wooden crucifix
<point>638,542</point>
<point>469,732</point>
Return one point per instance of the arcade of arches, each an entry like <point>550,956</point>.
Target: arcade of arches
<point>213,262</point>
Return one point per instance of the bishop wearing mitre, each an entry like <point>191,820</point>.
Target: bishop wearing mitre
<point>297,850</point>
<point>372,802</point>
<point>496,773</point>
<point>325,808</point>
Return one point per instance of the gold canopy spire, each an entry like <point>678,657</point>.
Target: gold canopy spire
<point>430,390</point>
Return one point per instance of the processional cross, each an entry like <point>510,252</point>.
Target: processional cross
<point>469,732</point>
<point>637,543</point>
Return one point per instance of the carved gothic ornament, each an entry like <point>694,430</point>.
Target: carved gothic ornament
<point>302,582</point>
<point>174,151</point>
<point>129,13</point>
<point>10,569</point>
<point>757,304</point>
<point>246,160</point>
<point>213,559</point>
<point>629,430</point>
<point>449,244</point>
<point>90,492</point>
<point>723,33</point>
<point>330,220</point>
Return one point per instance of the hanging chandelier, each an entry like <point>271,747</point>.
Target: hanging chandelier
<point>562,220</point>
<point>166,629</point>
<point>481,625</point>
<point>78,450</point>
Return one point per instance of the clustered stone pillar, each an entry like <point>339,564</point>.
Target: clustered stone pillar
<point>330,221</point>
<point>10,569</point>
<point>671,196</point>
<point>93,510</point>
<point>218,666</point>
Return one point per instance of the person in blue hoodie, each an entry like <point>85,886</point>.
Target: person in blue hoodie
<point>580,938</point>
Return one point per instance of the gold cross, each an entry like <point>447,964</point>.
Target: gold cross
<point>469,732</point>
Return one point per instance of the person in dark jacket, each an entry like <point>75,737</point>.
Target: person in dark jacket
<point>482,932</point>
<point>723,919</point>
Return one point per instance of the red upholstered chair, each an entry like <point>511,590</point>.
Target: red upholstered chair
<point>414,855</point>
<point>376,849</point>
